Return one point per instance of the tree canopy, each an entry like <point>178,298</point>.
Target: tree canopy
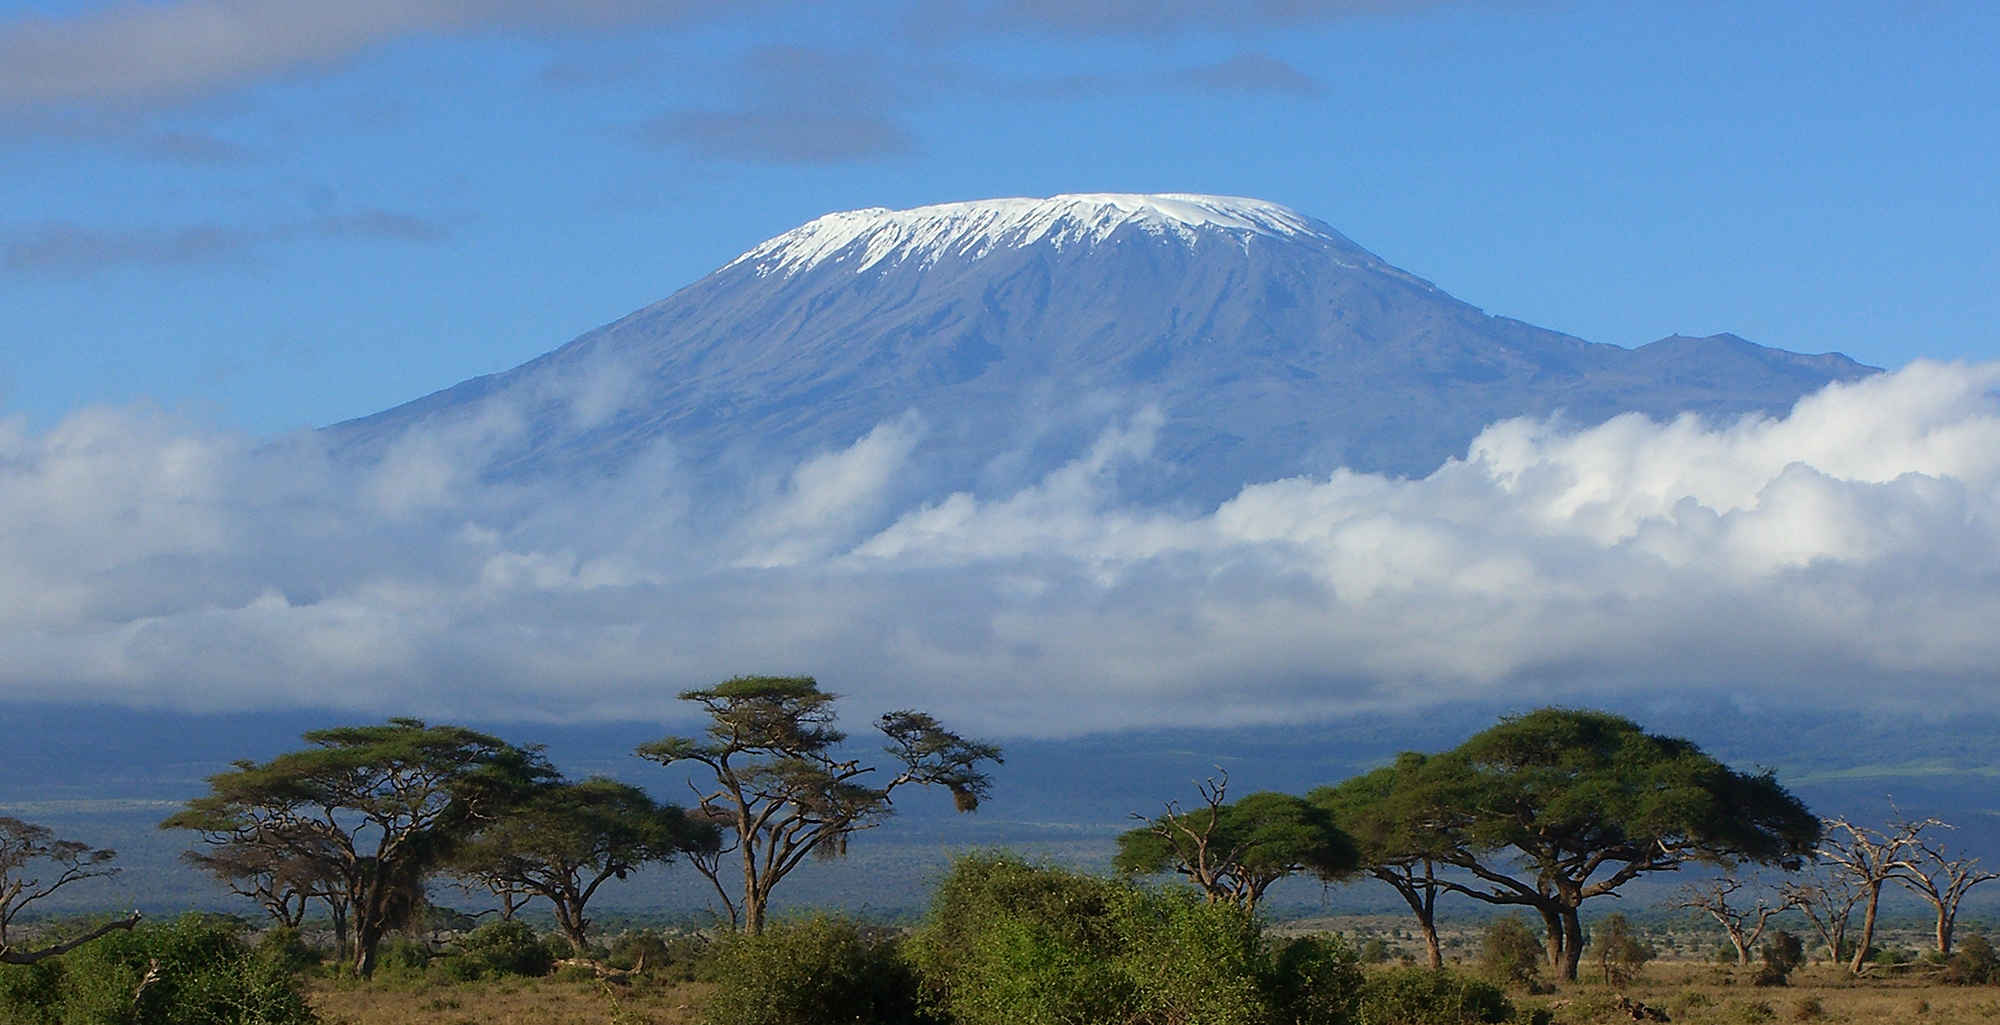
<point>377,808</point>
<point>782,789</point>
<point>1234,851</point>
<point>564,842</point>
<point>1549,809</point>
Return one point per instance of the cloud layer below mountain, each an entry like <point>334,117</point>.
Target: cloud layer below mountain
<point>1845,555</point>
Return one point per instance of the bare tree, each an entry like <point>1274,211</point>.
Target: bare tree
<point>1826,896</point>
<point>1745,925</point>
<point>1871,858</point>
<point>22,846</point>
<point>1943,881</point>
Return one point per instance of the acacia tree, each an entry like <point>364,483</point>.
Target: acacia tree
<point>1943,881</point>
<point>24,846</point>
<point>1871,858</point>
<point>1234,852</point>
<point>1558,806</point>
<point>1716,898</point>
<point>1404,829</point>
<point>377,808</point>
<point>570,838</point>
<point>781,789</point>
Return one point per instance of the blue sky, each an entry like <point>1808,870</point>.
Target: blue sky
<point>274,214</point>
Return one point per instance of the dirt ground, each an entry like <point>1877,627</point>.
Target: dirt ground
<point>546,1001</point>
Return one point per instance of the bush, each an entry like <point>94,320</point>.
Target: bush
<point>1972,964</point>
<point>812,971</point>
<point>402,955</point>
<point>1190,960</point>
<point>1421,996</point>
<point>1781,954</point>
<point>1009,942</point>
<point>496,950</point>
<point>1315,980</point>
<point>195,971</point>
<point>1511,954</point>
<point>1617,950</point>
<point>676,958</point>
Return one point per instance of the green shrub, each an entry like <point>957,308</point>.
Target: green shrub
<point>1194,961</point>
<point>1315,980</point>
<point>496,950</point>
<point>1008,942</point>
<point>1972,964</point>
<point>812,971</point>
<point>195,971</point>
<point>1420,996</point>
<point>1618,951</point>
<point>668,957</point>
<point>1511,954</point>
<point>402,956</point>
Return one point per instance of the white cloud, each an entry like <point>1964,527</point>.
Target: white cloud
<point>1846,554</point>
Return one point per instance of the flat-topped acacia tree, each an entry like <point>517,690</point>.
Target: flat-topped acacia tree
<point>1404,827</point>
<point>781,789</point>
<point>377,810</point>
<point>1234,851</point>
<point>1552,808</point>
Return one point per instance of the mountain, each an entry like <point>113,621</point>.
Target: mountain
<point>1016,330</point>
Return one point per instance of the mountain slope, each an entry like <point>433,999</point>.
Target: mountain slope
<point>1017,330</point>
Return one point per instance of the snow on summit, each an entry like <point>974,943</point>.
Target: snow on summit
<point>865,238</point>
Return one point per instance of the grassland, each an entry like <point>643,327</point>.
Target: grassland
<point>1688,992</point>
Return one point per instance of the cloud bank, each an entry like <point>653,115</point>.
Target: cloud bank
<point>1847,555</point>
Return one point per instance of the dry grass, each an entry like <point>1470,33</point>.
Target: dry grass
<point>549,1001</point>
<point>1689,993</point>
<point>1698,994</point>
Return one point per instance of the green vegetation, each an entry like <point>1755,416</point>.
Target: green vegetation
<point>567,839</point>
<point>1235,851</point>
<point>1008,941</point>
<point>783,791</point>
<point>192,972</point>
<point>810,971</point>
<point>360,819</point>
<point>1542,813</point>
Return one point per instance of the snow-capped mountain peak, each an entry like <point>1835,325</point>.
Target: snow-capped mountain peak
<point>860,239</point>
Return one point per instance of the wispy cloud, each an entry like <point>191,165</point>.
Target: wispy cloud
<point>1155,17</point>
<point>146,54</point>
<point>1842,556</point>
<point>66,249</point>
<point>802,105</point>
<point>779,136</point>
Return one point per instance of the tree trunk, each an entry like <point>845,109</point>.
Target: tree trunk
<point>1428,922</point>
<point>1867,937</point>
<point>1423,904</point>
<point>1742,944</point>
<point>574,926</point>
<point>1553,925</point>
<point>1944,931</point>
<point>1572,943</point>
<point>366,939</point>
